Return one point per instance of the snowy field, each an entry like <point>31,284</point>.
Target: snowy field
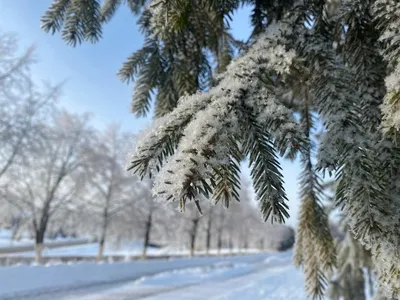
<point>261,276</point>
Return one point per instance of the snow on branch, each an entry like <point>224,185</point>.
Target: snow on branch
<point>387,18</point>
<point>195,139</point>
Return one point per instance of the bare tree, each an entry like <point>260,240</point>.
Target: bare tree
<point>153,219</point>
<point>108,179</point>
<point>22,107</point>
<point>14,68</point>
<point>45,183</point>
<point>142,214</point>
<point>143,219</point>
<point>147,208</point>
<point>147,231</point>
<point>192,221</point>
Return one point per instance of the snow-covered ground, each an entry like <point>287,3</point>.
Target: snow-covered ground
<point>126,249</point>
<point>8,244</point>
<point>261,276</point>
<point>90,250</point>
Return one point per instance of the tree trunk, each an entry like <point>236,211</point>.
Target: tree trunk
<point>39,239</point>
<point>219,241</point>
<point>193,234</point>
<point>230,245</point>
<point>100,249</point>
<point>220,231</point>
<point>40,232</point>
<point>262,244</point>
<point>208,232</point>
<point>147,234</point>
<point>16,226</point>
<point>38,252</point>
<point>103,235</point>
<point>245,243</point>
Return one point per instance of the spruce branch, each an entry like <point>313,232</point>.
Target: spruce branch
<point>226,178</point>
<point>81,22</point>
<point>265,172</point>
<point>142,96</point>
<point>108,9</point>
<point>53,20</point>
<point>136,5</point>
<point>190,169</point>
<point>314,249</point>
<point>137,60</point>
<point>160,141</point>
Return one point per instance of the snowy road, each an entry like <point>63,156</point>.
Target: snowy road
<point>263,278</point>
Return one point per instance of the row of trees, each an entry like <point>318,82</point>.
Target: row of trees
<point>57,173</point>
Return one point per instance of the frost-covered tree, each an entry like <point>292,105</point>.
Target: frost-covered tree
<point>336,61</point>
<point>107,181</point>
<point>45,183</point>
<point>14,67</point>
<point>150,208</point>
<point>23,106</point>
<point>190,228</point>
<point>147,219</point>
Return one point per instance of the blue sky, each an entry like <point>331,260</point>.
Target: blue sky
<point>90,70</point>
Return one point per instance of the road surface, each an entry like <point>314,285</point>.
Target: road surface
<point>271,278</point>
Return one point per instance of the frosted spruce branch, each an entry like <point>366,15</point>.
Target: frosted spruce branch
<point>211,120</point>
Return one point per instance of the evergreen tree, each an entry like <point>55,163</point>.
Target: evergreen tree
<point>337,61</point>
